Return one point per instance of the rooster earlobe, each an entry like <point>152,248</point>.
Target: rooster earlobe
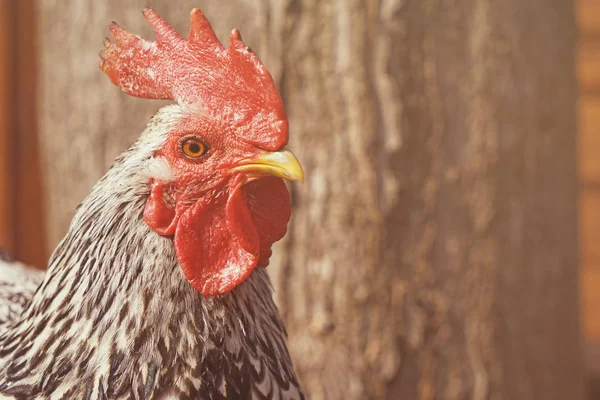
<point>159,216</point>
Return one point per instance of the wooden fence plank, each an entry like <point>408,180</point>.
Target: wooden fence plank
<point>589,140</point>
<point>589,218</point>
<point>588,17</point>
<point>7,142</point>
<point>31,228</point>
<point>588,67</point>
<point>590,302</point>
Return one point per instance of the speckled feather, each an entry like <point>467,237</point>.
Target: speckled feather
<point>17,285</point>
<point>114,317</point>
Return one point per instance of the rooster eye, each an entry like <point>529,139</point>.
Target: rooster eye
<point>193,148</point>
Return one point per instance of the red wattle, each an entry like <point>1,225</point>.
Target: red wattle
<point>269,203</point>
<point>217,244</point>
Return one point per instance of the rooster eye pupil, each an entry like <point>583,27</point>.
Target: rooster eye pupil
<point>194,148</point>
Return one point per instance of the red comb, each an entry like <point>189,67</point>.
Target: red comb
<point>230,83</point>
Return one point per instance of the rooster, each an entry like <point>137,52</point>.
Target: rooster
<point>158,289</point>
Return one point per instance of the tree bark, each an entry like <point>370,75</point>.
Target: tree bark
<point>433,249</point>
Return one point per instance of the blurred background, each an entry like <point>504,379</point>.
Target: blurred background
<point>445,245</point>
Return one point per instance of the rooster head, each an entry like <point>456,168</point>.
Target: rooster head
<point>224,201</point>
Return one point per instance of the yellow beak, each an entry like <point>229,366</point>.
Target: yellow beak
<point>282,164</point>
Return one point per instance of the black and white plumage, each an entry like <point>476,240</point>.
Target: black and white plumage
<point>17,286</point>
<point>114,317</point>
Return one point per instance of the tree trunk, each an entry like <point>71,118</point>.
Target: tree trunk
<point>433,249</point>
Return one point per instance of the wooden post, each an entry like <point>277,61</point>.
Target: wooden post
<point>588,16</point>
<point>7,125</point>
<point>30,233</point>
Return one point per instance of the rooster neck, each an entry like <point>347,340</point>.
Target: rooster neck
<point>116,318</point>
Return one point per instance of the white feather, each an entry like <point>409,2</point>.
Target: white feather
<point>158,168</point>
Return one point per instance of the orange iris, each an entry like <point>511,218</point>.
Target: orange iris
<point>193,148</point>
